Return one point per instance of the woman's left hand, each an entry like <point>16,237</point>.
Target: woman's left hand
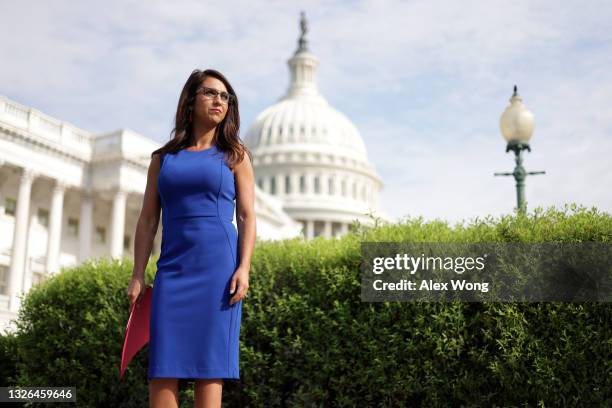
<point>239,285</point>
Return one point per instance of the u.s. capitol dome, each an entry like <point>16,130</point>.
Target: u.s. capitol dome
<point>311,156</point>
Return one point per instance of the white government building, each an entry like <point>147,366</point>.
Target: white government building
<point>67,195</point>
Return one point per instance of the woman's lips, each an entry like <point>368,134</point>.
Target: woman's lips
<point>215,111</point>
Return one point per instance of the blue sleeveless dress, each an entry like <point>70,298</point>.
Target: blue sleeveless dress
<point>194,331</point>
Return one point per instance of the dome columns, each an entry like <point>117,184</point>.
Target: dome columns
<point>326,228</point>
<point>342,185</point>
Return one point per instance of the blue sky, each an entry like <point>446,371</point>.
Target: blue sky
<point>425,82</point>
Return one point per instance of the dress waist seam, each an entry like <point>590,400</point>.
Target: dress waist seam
<point>200,216</point>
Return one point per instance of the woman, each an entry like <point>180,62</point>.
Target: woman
<point>203,269</point>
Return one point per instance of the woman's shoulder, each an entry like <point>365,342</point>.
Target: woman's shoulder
<point>243,164</point>
<point>157,159</point>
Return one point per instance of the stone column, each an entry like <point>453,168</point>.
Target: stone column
<point>85,226</point>
<point>309,229</point>
<point>20,239</point>
<point>295,184</point>
<point>309,184</point>
<point>327,231</point>
<point>344,227</point>
<point>55,226</point>
<point>280,185</point>
<point>118,223</point>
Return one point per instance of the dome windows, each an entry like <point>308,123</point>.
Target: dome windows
<point>288,184</point>
<point>273,186</point>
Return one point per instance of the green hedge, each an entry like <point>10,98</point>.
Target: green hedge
<point>308,340</point>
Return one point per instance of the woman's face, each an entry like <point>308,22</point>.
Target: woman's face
<point>208,110</point>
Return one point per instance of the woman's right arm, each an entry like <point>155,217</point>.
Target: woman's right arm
<point>146,228</point>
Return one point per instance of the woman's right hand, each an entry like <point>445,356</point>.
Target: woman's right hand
<point>136,290</point>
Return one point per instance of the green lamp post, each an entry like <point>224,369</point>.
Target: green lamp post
<point>516,125</point>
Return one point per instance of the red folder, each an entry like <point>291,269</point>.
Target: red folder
<point>137,329</point>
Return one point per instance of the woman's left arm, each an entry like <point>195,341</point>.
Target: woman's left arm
<point>245,220</point>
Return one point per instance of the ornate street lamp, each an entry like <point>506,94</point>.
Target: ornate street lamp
<point>516,125</point>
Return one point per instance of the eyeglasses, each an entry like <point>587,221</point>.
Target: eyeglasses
<point>211,93</point>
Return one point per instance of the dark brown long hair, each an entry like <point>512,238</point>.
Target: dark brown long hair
<point>226,137</point>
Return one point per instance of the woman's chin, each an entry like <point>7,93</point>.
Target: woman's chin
<point>213,121</point>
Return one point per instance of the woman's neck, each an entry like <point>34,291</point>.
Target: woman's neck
<point>203,137</point>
